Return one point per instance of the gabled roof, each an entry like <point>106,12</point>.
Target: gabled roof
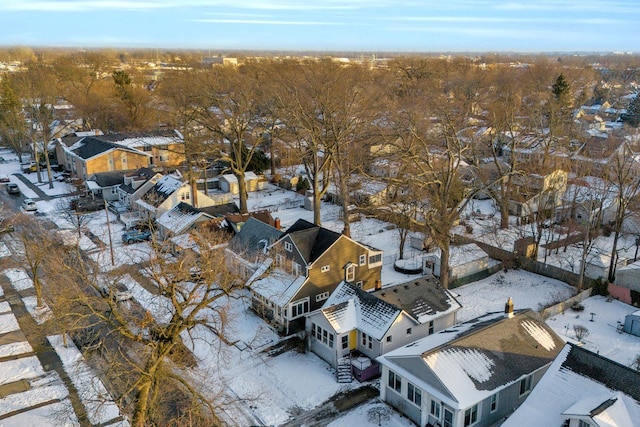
<point>254,236</point>
<point>470,366</point>
<point>164,188</point>
<point>311,240</point>
<point>423,298</point>
<point>180,218</point>
<point>581,383</point>
<point>350,308</point>
<point>107,179</point>
<point>92,146</point>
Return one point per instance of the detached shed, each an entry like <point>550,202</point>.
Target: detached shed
<point>632,323</point>
<point>229,182</point>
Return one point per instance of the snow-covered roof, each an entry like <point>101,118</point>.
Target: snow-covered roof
<point>582,384</point>
<point>490,354</point>
<point>350,308</point>
<point>422,298</point>
<point>463,254</point>
<point>180,218</point>
<point>146,141</point>
<point>278,287</point>
<point>248,176</point>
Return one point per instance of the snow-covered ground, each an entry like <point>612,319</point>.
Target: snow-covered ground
<point>274,387</point>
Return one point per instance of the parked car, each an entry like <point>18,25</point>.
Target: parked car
<point>86,204</point>
<point>134,235</point>
<point>12,188</point>
<point>118,291</point>
<point>30,167</point>
<point>29,205</point>
<point>4,178</point>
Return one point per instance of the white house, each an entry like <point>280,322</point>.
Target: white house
<point>473,374</point>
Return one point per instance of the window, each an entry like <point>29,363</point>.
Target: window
<point>447,419</point>
<point>288,246</point>
<point>359,284</point>
<point>430,327</point>
<point>298,308</point>
<point>163,147</point>
<point>147,148</point>
<point>164,157</point>
<point>409,331</point>
<point>367,341</point>
<point>389,338</point>
<point>363,259</point>
<point>584,424</point>
<point>325,268</point>
<point>471,416</point>
<point>435,409</point>
<point>321,297</point>
<point>525,384</point>
<point>414,394</point>
<point>350,273</point>
<point>295,268</point>
<point>322,335</point>
<point>345,342</point>
<point>493,406</point>
<point>395,381</point>
<point>375,259</point>
<point>279,260</point>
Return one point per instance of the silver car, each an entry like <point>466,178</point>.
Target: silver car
<point>29,205</point>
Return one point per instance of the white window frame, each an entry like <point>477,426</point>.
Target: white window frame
<point>394,382</point>
<point>372,259</point>
<point>322,296</point>
<point>493,403</point>
<point>409,331</point>
<point>350,274</point>
<point>296,268</point>
<point>301,305</point>
<point>325,268</point>
<point>414,393</point>
<point>288,246</point>
<point>279,260</point>
<point>362,260</point>
<point>474,410</point>
<point>359,284</point>
<point>525,385</point>
<point>435,409</point>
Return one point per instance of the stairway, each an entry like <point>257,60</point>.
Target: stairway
<point>344,370</point>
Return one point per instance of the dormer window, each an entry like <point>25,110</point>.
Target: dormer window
<point>349,272</point>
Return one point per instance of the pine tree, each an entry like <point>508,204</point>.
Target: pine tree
<point>632,116</point>
<point>561,89</point>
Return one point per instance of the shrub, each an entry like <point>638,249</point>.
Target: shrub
<point>302,185</point>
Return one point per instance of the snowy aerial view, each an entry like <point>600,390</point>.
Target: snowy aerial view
<point>189,240</point>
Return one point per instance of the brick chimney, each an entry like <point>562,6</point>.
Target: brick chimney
<point>508,308</point>
<point>277,223</point>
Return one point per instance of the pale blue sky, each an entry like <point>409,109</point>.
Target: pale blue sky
<point>344,25</point>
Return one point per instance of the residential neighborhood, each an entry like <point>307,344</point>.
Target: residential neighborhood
<point>259,256</point>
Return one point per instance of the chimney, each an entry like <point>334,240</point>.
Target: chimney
<point>378,285</point>
<point>508,308</point>
<point>277,223</point>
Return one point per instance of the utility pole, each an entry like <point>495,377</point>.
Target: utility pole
<point>106,209</point>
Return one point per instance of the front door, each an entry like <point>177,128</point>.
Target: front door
<point>344,345</point>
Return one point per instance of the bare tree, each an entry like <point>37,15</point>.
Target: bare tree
<point>13,125</point>
<point>581,332</point>
<point>144,354</point>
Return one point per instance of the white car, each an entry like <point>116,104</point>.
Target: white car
<point>118,291</point>
<point>29,205</point>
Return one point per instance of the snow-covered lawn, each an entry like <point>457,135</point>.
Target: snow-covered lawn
<point>59,414</point>
<point>39,314</point>
<point>603,335</point>
<point>4,250</point>
<point>4,305</point>
<point>527,290</point>
<point>24,368</point>
<point>93,394</point>
<point>8,323</point>
<point>15,349</point>
<point>20,280</point>
<point>359,417</point>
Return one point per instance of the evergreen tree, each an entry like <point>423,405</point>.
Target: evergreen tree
<point>632,116</point>
<point>561,90</point>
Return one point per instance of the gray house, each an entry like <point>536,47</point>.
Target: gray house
<point>354,327</point>
<point>473,374</point>
<point>632,323</point>
<point>582,389</point>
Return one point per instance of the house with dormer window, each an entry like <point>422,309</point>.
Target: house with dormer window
<point>582,389</point>
<point>354,327</point>
<point>304,267</point>
<point>475,373</point>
